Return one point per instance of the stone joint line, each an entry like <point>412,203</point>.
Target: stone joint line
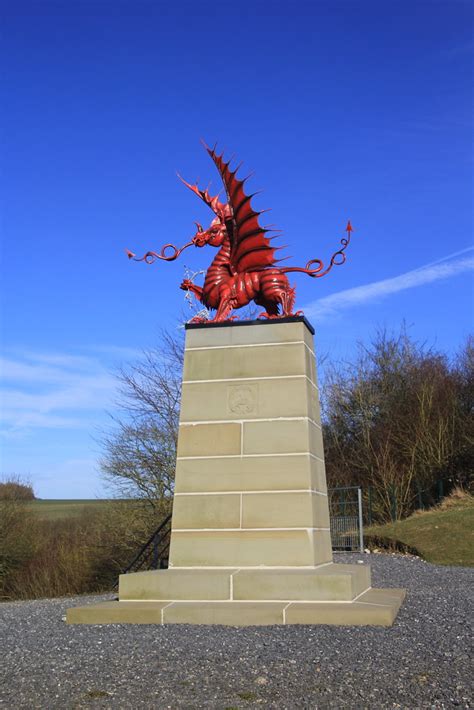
<point>251,421</point>
<point>257,379</point>
<point>162,612</point>
<point>249,456</point>
<point>254,345</point>
<point>252,567</point>
<point>232,584</point>
<point>288,602</point>
<point>194,530</point>
<point>359,595</point>
<point>284,612</point>
<point>251,493</point>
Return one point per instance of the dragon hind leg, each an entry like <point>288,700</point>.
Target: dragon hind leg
<point>271,308</point>
<point>284,297</point>
<point>276,293</point>
<point>288,301</point>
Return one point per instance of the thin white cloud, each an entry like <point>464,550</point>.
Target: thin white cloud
<point>467,250</point>
<point>376,291</point>
<point>54,390</point>
<point>38,370</point>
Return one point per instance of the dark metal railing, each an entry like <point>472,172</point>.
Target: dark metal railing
<point>155,551</point>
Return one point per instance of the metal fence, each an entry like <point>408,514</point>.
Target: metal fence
<point>346,519</point>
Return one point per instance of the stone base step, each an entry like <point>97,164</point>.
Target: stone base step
<point>332,582</point>
<point>377,607</point>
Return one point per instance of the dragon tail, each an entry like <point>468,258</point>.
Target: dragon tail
<point>315,267</point>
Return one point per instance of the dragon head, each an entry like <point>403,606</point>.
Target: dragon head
<point>217,230</point>
<point>214,235</point>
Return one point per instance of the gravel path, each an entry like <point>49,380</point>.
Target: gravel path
<point>421,662</point>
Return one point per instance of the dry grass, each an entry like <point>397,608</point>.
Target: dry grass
<point>443,535</point>
<point>456,497</point>
<point>75,555</point>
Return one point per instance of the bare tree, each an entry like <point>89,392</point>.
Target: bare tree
<point>139,449</point>
<point>139,456</point>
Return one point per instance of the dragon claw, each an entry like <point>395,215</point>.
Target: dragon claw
<point>269,316</point>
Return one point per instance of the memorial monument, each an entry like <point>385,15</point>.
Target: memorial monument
<point>250,539</point>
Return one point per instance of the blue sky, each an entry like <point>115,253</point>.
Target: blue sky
<point>357,110</point>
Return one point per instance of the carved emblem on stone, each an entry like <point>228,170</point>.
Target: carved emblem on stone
<point>242,399</point>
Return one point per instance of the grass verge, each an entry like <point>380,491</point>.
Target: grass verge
<point>443,535</point>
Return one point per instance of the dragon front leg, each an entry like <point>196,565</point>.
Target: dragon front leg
<point>188,285</point>
<point>226,306</point>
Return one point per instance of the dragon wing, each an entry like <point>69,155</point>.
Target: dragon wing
<point>251,249</point>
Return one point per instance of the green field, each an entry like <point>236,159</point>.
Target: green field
<point>443,535</point>
<point>58,509</point>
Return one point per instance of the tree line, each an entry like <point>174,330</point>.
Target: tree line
<point>397,419</point>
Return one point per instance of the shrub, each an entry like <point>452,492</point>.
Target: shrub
<point>13,488</point>
<point>18,540</point>
<point>77,555</point>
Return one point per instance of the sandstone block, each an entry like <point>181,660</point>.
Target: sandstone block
<point>232,363</point>
<point>175,584</point>
<point>283,437</point>
<point>209,439</point>
<point>251,335</point>
<point>226,613</point>
<point>117,613</point>
<point>381,610</point>
<point>251,473</point>
<point>248,399</point>
<point>242,548</point>
<point>206,511</point>
<point>286,510</point>
<point>329,583</point>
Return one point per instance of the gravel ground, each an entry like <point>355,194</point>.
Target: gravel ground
<point>423,661</point>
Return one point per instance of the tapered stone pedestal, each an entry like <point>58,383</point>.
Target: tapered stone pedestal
<point>250,540</point>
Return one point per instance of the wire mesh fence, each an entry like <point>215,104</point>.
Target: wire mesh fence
<point>352,507</point>
<point>391,503</point>
<point>346,519</point>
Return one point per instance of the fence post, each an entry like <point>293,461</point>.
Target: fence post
<point>154,564</point>
<point>361,520</point>
<point>393,505</point>
<point>440,489</point>
<point>419,496</point>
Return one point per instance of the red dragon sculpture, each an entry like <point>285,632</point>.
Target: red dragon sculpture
<point>245,268</point>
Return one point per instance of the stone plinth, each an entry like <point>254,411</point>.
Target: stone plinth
<point>250,540</point>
